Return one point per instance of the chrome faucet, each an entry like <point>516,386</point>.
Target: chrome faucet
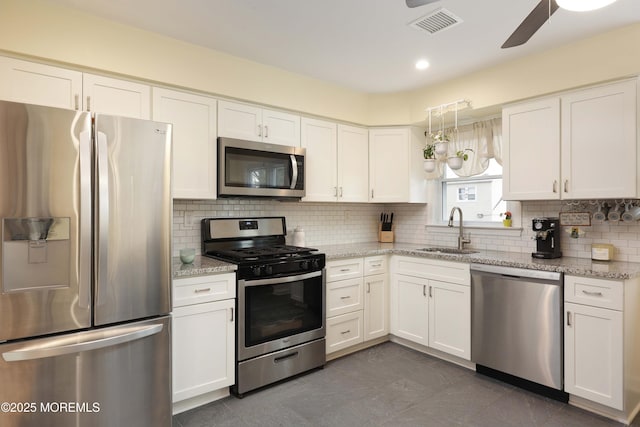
<point>461,239</point>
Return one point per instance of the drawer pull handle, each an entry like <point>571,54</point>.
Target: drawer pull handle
<point>199,291</point>
<point>376,265</point>
<point>345,332</point>
<point>285,357</point>
<point>347,297</point>
<point>344,270</point>
<point>594,294</point>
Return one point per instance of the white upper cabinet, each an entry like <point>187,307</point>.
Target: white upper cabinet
<point>353,164</point>
<point>580,145</point>
<point>32,83</point>
<point>117,97</point>
<point>531,154</point>
<point>194,141</point>
<point>599,143</point>
<point>249,122</point>
<point>337,161</point>
<point>319,138</point>
<point>395,166</point>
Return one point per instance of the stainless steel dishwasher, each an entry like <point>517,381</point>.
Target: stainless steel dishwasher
<point>516,326</point>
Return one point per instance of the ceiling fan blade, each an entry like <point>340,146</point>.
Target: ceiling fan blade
<point>416,3</point>
<point>538,16</point>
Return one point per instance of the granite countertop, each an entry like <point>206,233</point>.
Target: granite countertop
<point>575,266</point>
<point>200,266</point>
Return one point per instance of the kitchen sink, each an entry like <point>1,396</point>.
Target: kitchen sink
<point>445,250</point>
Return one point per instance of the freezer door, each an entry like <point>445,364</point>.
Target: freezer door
<point>114,376</point>
<point>132,219</point>
<point>45,214</point>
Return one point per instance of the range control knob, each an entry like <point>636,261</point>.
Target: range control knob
<point>268,269</point>
<point>304,265</point>
<point>315,264</point>
<point>256,270</point>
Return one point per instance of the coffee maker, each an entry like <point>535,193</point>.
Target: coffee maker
<point>547,238</point>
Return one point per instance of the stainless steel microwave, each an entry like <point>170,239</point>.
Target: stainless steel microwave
<point>256,169</point>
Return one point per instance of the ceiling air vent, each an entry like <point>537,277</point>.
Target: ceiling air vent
<point>436,21</point>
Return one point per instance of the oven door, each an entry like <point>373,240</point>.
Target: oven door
<point>247,168</point>
<point>277,313</point>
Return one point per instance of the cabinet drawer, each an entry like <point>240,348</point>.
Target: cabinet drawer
<point>446,271</point>
<point>344,269</point>
<point>344,331</point>
<point>344,296</point>
<point>595,292</point>
<point>375,265</point>
<point>196,290</point>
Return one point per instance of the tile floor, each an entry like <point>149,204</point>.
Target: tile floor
<point>390,385</point>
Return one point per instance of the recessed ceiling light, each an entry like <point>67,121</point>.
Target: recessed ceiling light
<point>583,5</point>
<point>422,64</point>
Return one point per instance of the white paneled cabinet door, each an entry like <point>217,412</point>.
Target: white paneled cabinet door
<point>599,149</point>
<point>353,164</point>
<point>531,150</point>
<point>116,97</point>
<point>203,348</point>
<point>239,121</point>
<point>194,141</point>
<point>593,354</point>
<point>450,318</point>
<point>32,83</point>
<point>280,128</point>
<point>410,308</point>
<point>319,138</point>
<point>376,306</point>
<point>389,151</point>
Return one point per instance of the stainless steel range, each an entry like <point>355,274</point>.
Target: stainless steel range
<point>281,299</point>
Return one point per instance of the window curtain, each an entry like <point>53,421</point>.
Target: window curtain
<point>483,138</point>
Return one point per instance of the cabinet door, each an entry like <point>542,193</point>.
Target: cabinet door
<point>353,164</point>
<point>194,141</point>
<point>531,150</point>
<point>593,354</point>
<point>409,309</point>
<point>599,153</point>
<point>280,128</point>
<point>32,83</point>
<point>389,155</point>
<point>116,97</point>
<point>376,306</point>
<point>450,318</point>
<point>319,138</point>
<point>239,121</point>
<point>203,348</point>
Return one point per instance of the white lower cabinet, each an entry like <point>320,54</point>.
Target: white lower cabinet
<point>357,302</point>
<point>203,354</point>
<point>593,354</point>
<point>594,350</point>
<point>431,304</point>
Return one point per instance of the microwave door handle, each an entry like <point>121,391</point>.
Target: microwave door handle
<point>294,171</point>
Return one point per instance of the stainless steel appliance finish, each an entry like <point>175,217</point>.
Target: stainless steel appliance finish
<point>281,299</point>
<point>516,325</point>
<point>85,203</point>
<point>256,169</point>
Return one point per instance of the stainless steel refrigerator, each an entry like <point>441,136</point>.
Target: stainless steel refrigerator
<point>85,295</point>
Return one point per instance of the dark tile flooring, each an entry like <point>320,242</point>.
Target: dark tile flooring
<point>390,385</point>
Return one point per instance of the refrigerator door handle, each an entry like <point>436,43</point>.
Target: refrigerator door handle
<point>102,210</point>
<point>84,253</point>
<point>62,346</point>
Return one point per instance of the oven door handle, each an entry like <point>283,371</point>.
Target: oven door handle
<point>294,171</point>
<point>277,280</point>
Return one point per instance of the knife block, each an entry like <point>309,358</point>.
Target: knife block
<point>384,236</point>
